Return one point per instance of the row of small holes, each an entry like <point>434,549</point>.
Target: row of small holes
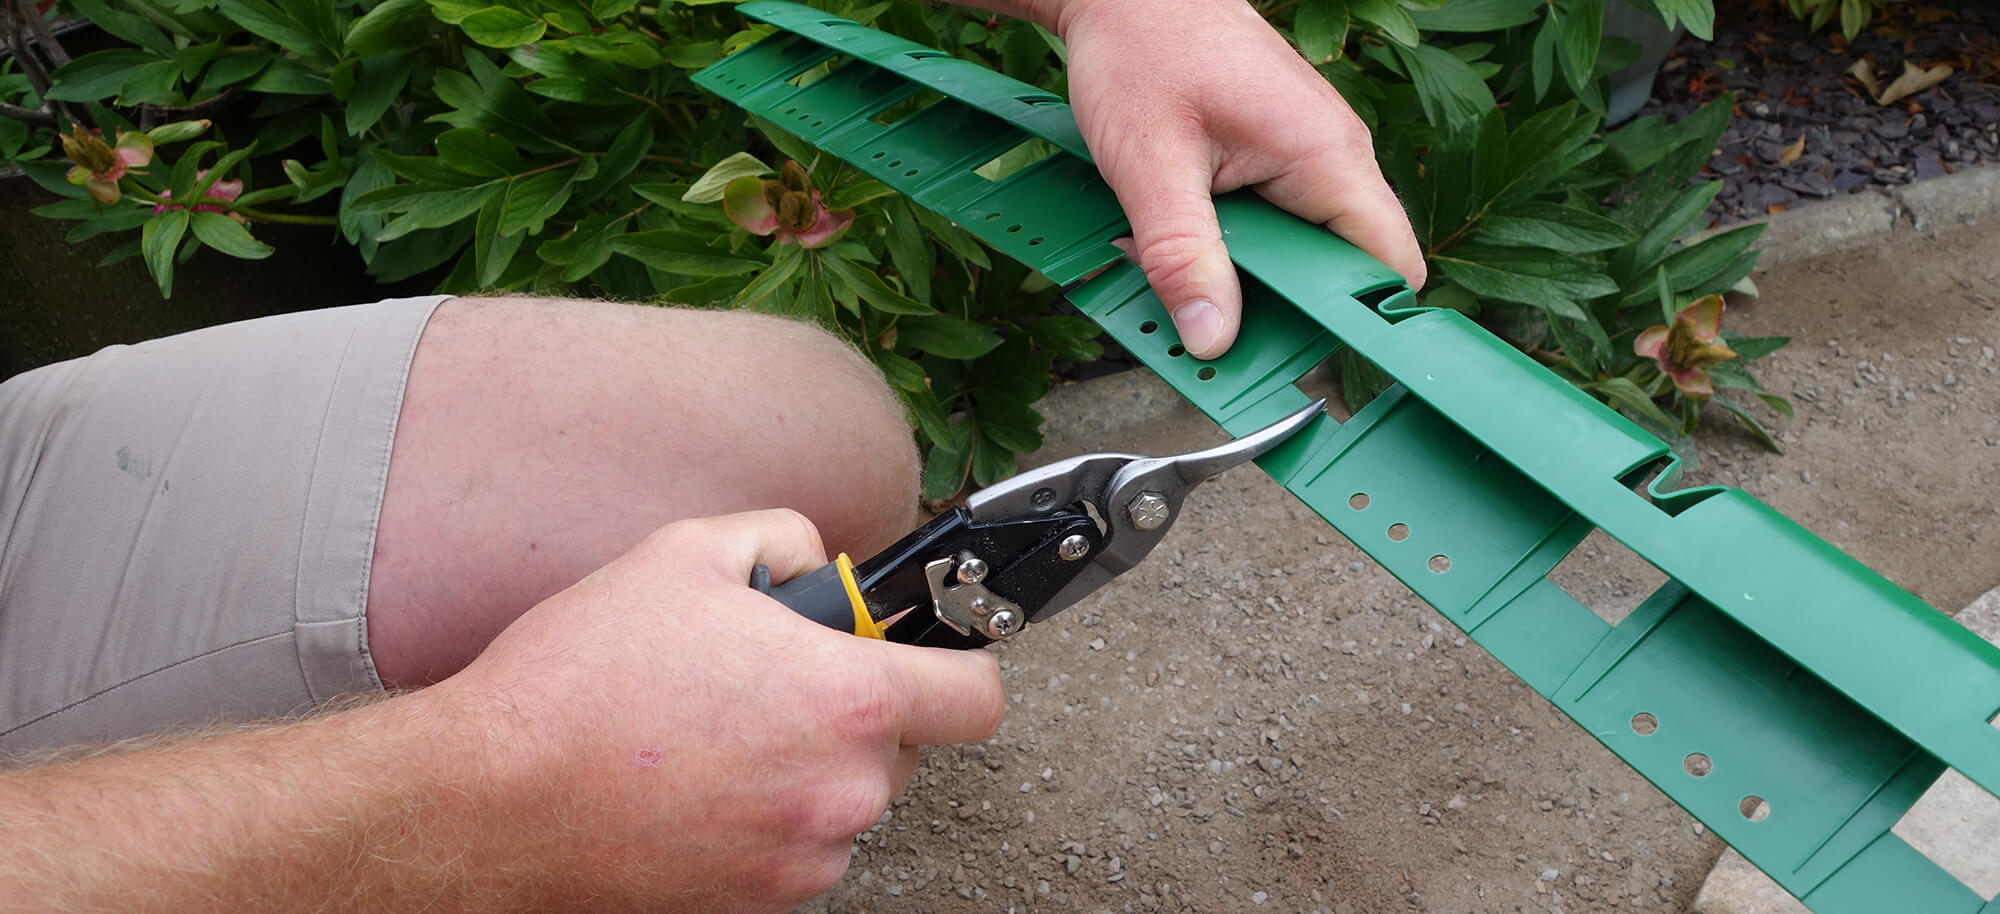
<point>1398,532</point>
<point>1207,372</point>
<point>1696,764</point>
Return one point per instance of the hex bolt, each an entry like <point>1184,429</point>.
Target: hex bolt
<point>971,571</point>
<point>1003,623</point>
<point>1073,547</point>
<point>1148,511</point>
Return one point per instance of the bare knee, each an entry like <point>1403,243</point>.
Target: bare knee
<point>539,439</point>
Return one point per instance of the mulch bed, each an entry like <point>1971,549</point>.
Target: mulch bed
<point>1791,84</point>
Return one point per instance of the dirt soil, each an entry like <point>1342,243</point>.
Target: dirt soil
<point>1260,719</point>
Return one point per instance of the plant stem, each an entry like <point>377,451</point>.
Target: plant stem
<point>286,218</point>
<point>15,112</point>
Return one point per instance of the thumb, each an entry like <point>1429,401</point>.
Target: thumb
<point>1179,245</point>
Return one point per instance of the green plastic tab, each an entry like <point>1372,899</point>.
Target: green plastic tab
<point>1816,690</point>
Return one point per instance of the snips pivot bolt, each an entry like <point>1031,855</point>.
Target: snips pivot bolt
<point>1148,511</point>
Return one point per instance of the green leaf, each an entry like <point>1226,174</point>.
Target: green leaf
<point>158,240</point>
<point>531,201</point>
<point>1584,342</point>
<point>1749,421</point>
<point>1387,15</point>
<point>1543,63</point>
<point>233,68</point>
<point>901,373</point>
<point>1321,29</point>
<point>1685,208</point>
<point>121,24</point>
<point>97,75</point>
<point>1453,96</point>
<point>1699,264</point>
<point>776,277</point>
<point>285,76</point>
<point>855,193</point>
<point>956,239</point>
<point>478,153</point>
<point>913,256</point>
<point>611,9</point>
<point>1475,15</point>
<point>382,79</point>
<point>492,101</point>
<point>1009,423</point>
<point>949,337</point>
<point>1582,29</point>
<point>1548,281</point>
<point>226,235</point>
<point>1625,393</point>
<point>1360,381</point>
<point>391,25</point>
<point>1067,337</point>
<point>150,83</point>
<point>275,25</point>
<point>675,251</point>
<point>925,410</point>
<point>1775,402</point>
<point>991,462</point>
<point>1554,226</point>
<point>501,27</point>
<point>871,288</point>
<point>117,220</point>
<point>429,207</point>
<point>1752,348</point>
<point>626,151</point>
<point>492,246</point>
<point>945,470</point>
<point>584,249</point>
<point>708,187</point>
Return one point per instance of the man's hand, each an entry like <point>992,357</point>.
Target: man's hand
<point>1183,99</point>
<point>712,750</point>
<point>658,737</point>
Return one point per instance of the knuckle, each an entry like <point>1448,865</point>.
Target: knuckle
<point>851,806</point>
<point>1177,261</point>
<point>862,705</point>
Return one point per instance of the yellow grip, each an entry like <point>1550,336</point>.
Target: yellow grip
<point>864,623</point>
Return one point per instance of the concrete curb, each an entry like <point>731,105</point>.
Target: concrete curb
<point>1079,413</point>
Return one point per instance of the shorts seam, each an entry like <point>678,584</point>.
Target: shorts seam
<point>119,685</point>
<point>381,486</point>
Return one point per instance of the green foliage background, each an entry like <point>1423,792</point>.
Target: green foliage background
<point>558,146</point>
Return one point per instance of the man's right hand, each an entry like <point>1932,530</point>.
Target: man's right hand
<point>683,742</point>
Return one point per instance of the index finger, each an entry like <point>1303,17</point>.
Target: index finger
<point>1348,195</point>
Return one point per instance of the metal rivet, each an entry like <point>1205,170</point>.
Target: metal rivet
<point>971,571</point>
<point>1148,511</point>
<point>1073,547</point>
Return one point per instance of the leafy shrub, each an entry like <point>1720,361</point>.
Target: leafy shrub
<point>558,146</point>
<point>1853,13</point>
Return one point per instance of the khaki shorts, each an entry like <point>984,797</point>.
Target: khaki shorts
<point>186,525</point>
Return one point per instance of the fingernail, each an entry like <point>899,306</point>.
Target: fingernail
<point>1200,326</point>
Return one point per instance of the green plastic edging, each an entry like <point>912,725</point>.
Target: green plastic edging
<point>1824,698</point>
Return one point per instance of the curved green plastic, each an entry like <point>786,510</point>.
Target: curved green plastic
<point>1810,682</point>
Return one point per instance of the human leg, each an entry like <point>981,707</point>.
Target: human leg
<point>187,526</point>
<point>539,439</point>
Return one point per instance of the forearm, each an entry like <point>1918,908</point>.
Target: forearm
<point>384,807</point>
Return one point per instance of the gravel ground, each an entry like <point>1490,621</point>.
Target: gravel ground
<point>1790,84</point>
<point>1260,719</point>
